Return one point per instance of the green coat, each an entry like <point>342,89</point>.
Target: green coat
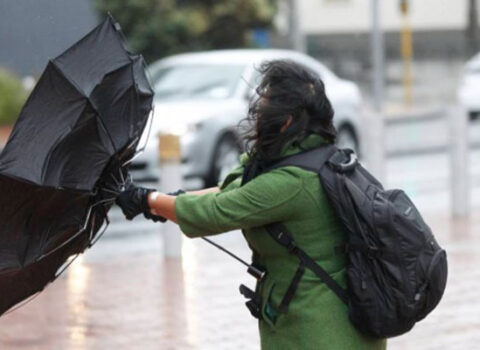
<point>317,319</point>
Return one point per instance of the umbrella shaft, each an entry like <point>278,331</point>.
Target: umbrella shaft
<point>251,269</point>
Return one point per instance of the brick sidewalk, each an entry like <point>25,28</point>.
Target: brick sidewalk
<point>140,301</point>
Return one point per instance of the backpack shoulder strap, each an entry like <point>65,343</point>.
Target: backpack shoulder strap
<point>281,235</point>
<point>312,160</point>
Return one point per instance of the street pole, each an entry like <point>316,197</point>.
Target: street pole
<point>459,163</point>
<point>407,53</point>
<point>375,154</point>
<point>472,28</point>
<point>171,180</point>
<point>297,39</point>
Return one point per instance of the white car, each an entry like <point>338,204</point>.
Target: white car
<point>203,96</point>
<point>469,91</point>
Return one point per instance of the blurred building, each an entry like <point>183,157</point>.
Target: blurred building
<point>33,31</point>
<point>339,27</point>
<point>338,33</point>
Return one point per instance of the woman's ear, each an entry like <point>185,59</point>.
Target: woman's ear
<point>287,124</point>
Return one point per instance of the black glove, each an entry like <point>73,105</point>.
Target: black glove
<point>134,200</point>
<point>176,193</point>
<point>154,218</point>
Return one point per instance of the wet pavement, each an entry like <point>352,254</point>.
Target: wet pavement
<point>123,295</point>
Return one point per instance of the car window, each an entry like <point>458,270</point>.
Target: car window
<point>211,81</point>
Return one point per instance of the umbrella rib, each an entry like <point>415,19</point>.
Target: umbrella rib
<point>98,116</point>
<point>92,242</point>
<point>81,92</point>
<point>109,191</point>
<point>78,232</point>
<point>68,78</point>
<point>142,148</point>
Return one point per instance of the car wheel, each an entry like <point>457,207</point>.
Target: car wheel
<point>346,138</point>
<point>225,159</point>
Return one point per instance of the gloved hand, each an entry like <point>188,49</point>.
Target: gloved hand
<point>134,200</point>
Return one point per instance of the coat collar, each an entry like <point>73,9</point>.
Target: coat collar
<point>310,142</point>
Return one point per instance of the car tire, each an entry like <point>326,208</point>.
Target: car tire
<point>225,159</point>
<point>346,138</point>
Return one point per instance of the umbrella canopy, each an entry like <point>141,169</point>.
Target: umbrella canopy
<point>66,157</point>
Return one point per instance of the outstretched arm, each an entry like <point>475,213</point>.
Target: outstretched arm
<point>164,205</point>
<point>204,191</point>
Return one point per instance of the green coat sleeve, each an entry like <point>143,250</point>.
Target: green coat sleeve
<point>268,198</point>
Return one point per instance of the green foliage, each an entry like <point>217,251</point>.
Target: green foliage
<point>12,97</point>
<point>159,28</point>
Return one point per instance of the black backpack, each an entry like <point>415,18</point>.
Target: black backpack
<point>396,270</point>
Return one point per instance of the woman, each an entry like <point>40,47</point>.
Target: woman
<point>291,115</point>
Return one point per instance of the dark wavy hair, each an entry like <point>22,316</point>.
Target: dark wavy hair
<point>286,89</point>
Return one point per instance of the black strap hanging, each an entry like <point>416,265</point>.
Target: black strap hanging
<point>287,298</point>
<point>281,235</point>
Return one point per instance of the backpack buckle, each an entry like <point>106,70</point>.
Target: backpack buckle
<point>343,161</point>
<point>287,241</point>
<point>254,303</point>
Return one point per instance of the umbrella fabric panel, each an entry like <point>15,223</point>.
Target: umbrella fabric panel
<point>119,104</point>
<point>39,233</point>
<point>50,113</point>
<point>78,160</point>
<point>97,54</point>
<point>141,81</point>
<point>19,284</point>
<point>35,224</point>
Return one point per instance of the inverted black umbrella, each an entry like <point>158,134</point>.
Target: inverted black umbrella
<point>66,158</point>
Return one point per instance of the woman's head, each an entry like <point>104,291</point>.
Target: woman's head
<point>291,104</point>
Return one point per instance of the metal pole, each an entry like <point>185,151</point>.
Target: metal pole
<point>377,56</point>
<point>297,39</point>
<point>407,54</point>
<point>459,163</point>
<point>375,154</point>
<point>171,180</point>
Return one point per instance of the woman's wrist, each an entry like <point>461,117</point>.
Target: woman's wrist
<point>152,198</point>
<point>163,205</point>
